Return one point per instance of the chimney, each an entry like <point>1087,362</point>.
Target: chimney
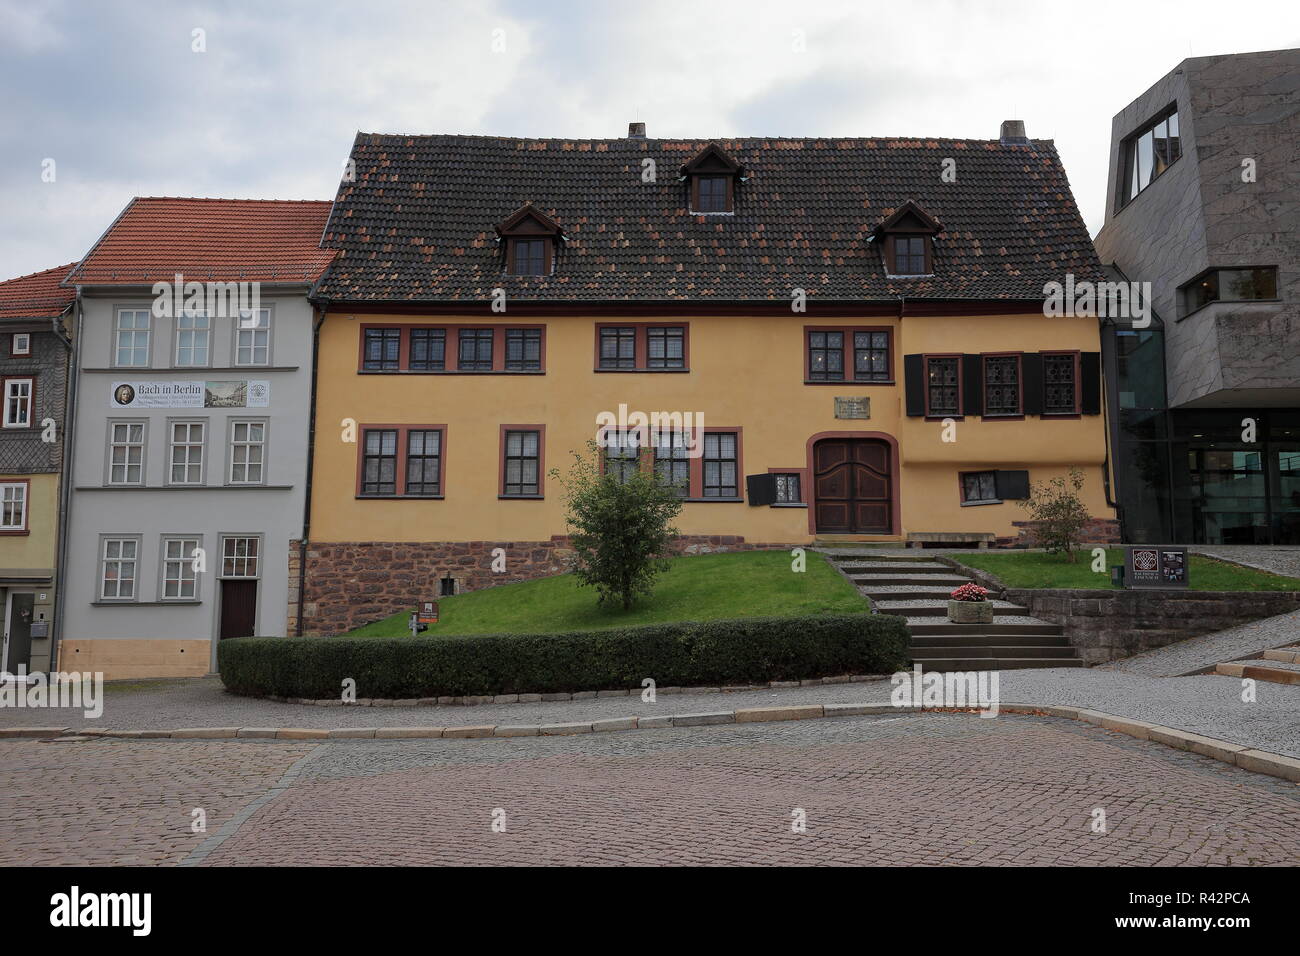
<point>1013,131</point>
<point>636,130</point>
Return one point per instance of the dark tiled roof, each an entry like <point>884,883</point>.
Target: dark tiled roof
<point>36,296</point>
<point>224,240</point>
<point>417,222</point>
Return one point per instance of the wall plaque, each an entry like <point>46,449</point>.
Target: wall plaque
<point>848,407</point>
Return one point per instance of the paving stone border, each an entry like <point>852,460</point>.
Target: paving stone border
<point>473,700</point>
<point>1247,758</point>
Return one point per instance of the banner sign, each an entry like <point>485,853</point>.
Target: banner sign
<point>1155,568</point>
<point>247,394</point>
<point>428,613</point>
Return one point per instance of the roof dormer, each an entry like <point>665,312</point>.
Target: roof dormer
<point>907,239</point>
<point>712,176</point>
<point>530,238</point>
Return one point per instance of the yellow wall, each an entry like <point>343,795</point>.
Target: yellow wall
<point>745,371</point>
<point>36,549</point>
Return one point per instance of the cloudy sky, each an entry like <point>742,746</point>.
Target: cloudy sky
<point>115,93</point>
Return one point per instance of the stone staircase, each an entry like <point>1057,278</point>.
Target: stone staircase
<point>1280,666</point>
<point>916,588</point>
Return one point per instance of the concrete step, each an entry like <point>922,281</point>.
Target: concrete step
<point>1002,624</point>
<point>1287,655</point>
<point>1276,672</point>
<point>854,568</point>
<point>904,592</point>
<point>924,608</point>
<point>996,663</point>
<point>868,558</point>
<point>994,650</point>
<point>928,580</point>
<point>955,641</point>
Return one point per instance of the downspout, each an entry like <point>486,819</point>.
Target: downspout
<point>65,478</point>
<point>311,454</point>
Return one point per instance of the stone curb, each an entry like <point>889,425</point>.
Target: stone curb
<point>1239,755</point>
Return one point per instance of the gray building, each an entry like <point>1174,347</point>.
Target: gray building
<point>190,432</point>
<point>1203,202</point>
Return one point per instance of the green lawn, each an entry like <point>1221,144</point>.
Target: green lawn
<point>697,588</point>
<point>1030,569</point>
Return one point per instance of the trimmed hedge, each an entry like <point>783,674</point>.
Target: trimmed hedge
<point>683,653</point>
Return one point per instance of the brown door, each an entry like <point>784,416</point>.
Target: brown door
<point>852,486</point>
<point>238,608</point>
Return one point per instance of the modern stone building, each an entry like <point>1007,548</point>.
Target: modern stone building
<point>1203,202</point>
<point>33,387</point>
<point>189,432</point>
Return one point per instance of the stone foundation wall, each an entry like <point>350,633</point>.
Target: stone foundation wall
<point>353,583</point>
<point>1108,625</point>
<point>1098,531</point>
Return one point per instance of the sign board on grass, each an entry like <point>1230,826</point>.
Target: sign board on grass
<point>1155,568</point>
<point>428,613</point>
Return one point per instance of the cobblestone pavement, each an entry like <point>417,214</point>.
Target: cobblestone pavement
<point>897,790</point>
<point>127,803</point>
<point>1196,653</point>
<point>1208,705</point>
<point>1279,560</point>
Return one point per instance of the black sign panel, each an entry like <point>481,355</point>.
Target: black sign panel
<point>1155,568</point>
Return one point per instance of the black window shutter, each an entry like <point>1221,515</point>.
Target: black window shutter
<point>972,388</point>
<point>1031,368</point>
<point>914,384</point>
<point>1012,484</point>
<point>1090,382</point>
<point>761,489</point>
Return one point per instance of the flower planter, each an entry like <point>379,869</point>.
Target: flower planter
<point>970,612</point>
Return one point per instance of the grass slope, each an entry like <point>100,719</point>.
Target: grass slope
<point>697,588</point>
<point>1028,569</point>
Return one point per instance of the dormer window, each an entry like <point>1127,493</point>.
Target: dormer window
<point>907,241</point>
<point>530,238</point>
<point>712,176</point>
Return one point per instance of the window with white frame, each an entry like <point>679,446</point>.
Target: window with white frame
<point>131,338</point>
<point>13,506</point>
<point>20,344</point>
<point>253,337</point>
<point>239,556</point>
<point>118,569</point>
<point>18,409</point>
<point>247,452</point>
<point>193,332</point>
<point>187,453</point>
<point>180,583</point>
<point>126,453</point>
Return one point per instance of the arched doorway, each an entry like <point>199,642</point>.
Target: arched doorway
<point>853,489</point>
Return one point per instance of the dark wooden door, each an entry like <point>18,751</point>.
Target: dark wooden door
<point>19,653</point>
<point>238,608</point>
<point>851,483</point>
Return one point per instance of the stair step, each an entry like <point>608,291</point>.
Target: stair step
<point>877,558</point>
<point>1276,672</point>
<point>909,567</point>
<point>903,592</point>
<point>1000,625</point>
<point>995,650</point>
<point>915,609</point>
<point>996,663</point>
<point>955,641</point>
<point>1287,655</point>
<point>928,580</point>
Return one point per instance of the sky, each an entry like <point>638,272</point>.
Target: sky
<point>126,98</point>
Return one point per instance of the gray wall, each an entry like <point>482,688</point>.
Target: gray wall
<point>273,511</point>
<point>1199,214</point>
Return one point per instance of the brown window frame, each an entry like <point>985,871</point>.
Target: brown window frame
<point>925,383</point>
<point>502,436</point>
<point>891,261</point>
<point>961,488</point>
<point>451,348</point>
<point>850,355</point>
<point>1017,415</point>
<point>548,253</point>
<point>801,473</point>
<point>695,490</point>
<point>399,475</point>
<point>641,346</point>
<point>728,200</point>
<point>1077,410</point>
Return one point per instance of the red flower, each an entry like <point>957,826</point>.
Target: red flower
<point>969,592</point>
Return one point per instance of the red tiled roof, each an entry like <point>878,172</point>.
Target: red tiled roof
<point>36,296</point>
<point>223,240</point>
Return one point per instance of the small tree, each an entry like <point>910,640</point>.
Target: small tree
<point>620,526</point>
<point>1059,513</point>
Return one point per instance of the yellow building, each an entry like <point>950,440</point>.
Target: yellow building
<point>837,344</point>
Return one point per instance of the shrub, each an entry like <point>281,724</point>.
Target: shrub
<point>1058,512</point>
<point>682,653</point>
<point>620,529</point>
